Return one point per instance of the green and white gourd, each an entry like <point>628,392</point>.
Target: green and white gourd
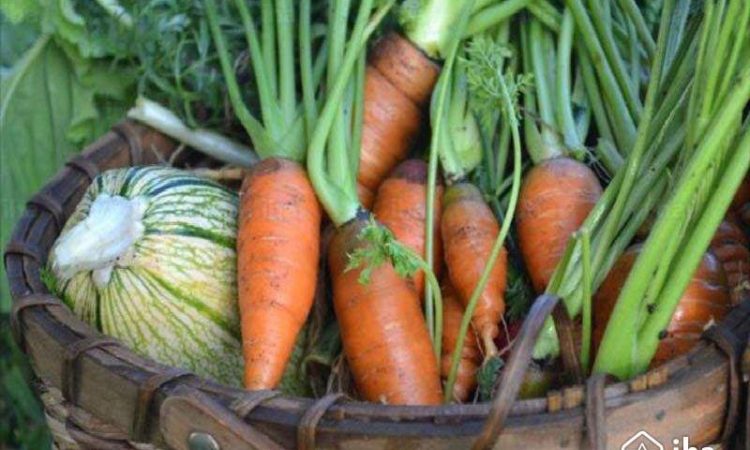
<point>149,257</point>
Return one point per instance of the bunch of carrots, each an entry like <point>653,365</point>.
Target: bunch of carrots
<point>478,146</point>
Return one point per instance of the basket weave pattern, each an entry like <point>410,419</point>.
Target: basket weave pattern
<point>99,395</point>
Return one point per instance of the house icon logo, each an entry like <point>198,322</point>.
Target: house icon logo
<point>642,441</point>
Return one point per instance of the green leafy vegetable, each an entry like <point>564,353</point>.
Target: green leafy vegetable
<point>51,103</point>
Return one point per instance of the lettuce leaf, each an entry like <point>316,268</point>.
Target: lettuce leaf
<point>52,102</point>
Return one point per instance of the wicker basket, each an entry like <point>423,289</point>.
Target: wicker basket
<point>98,394</point>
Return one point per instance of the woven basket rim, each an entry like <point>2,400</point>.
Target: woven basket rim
<point>616,394</point>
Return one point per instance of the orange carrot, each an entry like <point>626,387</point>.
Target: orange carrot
<point>278,242</point>
<point>705,300</point>
<point>469,230</point>
<point>556,196</point>
<point>383,331</point>
<point>466,379</point>
<point>398,81</point>
<point>400,206</point>
<point>730,245</point>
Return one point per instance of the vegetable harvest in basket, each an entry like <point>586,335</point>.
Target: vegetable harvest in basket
<point>413,182</point>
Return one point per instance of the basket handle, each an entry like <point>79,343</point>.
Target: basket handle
<point>513,374</point>
<point>191,419</point>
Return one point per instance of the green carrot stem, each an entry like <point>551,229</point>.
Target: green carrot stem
<point>268,37</point>
<point>287,70</point>
<point>550,145</point>
<point>718,73</point>
<point>606,153</point>
<point>696,95</point>
<point>306,67</point>
<point>636,18</point>
<point>357,118</point>
<point>545,13</point>
<point>501,161</point>
<point>634,58</point>
<point>565,121</point>
<point>594,95</point>
<point>739,39</point>
<point>340,202</point>
<point>273,120</point>
<point>628,303</point>
<point>625,238</point>
<point>623,124</point>
<point>692,253</point>
<point>678,31</point>
<point>585,237</point>
<point>607,42</point>
<point>264,145</point>
<point>631,169</point>
<point>338,148</point>
<point>532,137</point>
<point>492,15</point>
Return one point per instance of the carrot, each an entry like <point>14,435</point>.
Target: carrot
<point>398,81</point>
<point>730,245</point>
<point>556,197</point>
<point>384,334</point>
<point>466,378</point>
<point>383,331</point>
<point>277,265</point>
<point>469,230</point>
<point>400,205</point>
<point>706,299</point>
<point>278,234</point>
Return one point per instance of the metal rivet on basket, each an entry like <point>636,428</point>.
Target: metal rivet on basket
<point>202,441</point>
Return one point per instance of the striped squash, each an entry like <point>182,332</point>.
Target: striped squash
<point>148,257</point>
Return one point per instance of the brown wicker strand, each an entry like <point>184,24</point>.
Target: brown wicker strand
<point>51,205</point>
<point>127,132</point>
<point>596,421</point>
<point>85,166</point>
<point>309,421</point>
<point>568,349</point>
<point>146,393</point>
<point>513,373</point>
<point>27,249</point>
<point>250,400</point>
<point>22,304</point>
<point>726,340</point>
<point>89,441</point>
<point>72,353</point>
